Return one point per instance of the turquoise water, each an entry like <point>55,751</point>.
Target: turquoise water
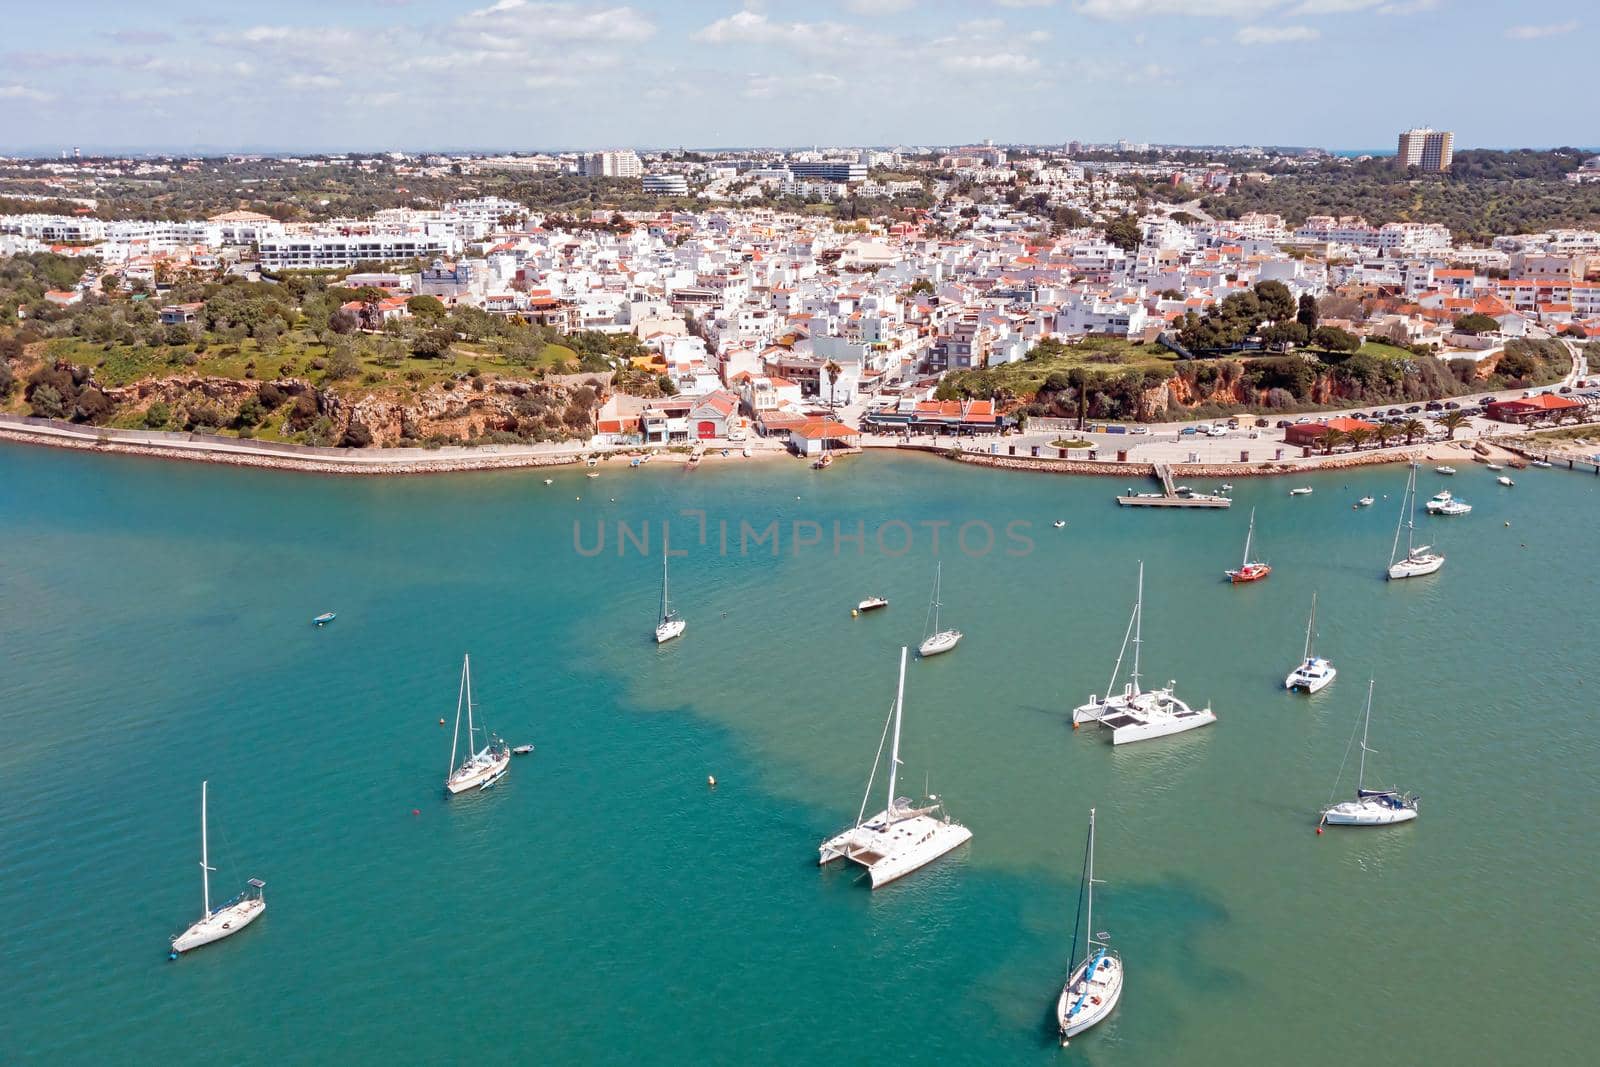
<point>603,905</point>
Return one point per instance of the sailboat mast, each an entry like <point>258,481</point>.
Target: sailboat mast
<point>205,854</point>
<point>1310,623</point>
<point>1361,774</point>
<point>899,707</point>
<point>1404,512</point>
<point>1138,625</point>
<point>937,568</point>
<point>1088,934</point>
<point>466,681</point>
<point>1247,536</point>
<point>663,578</point>
<point>455,736</point>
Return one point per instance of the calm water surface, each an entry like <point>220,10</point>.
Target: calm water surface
<point>603,905</point>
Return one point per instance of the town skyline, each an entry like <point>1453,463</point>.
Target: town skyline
<point>517,75</point>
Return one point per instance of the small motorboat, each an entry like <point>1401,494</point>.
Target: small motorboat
<point>1446,504</point>
<point>634,462</point>
<point>824,463</point>
<point>549,481</point>
<point>1225,487</point>
<point>1364,502</point>
<point>1183,490</point>
<point>1444,470</point>
<point>592,474</point>
<point>522,750</point>
<point>1059,523</point>
<point>873,603</point>
<point>1304,490</point>
<point>746,452</point>
<point>325,618</point>
<point>1507,482</point>
<point>1493,467</point>
<point>1541,463</point>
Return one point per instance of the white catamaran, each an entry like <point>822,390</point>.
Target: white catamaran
<point>936,640</point>
<point>227,919</point>
<point>1135,715</point>
<point>1095,985</point>
<point>484,767</point>
<point>903,836</point>
<point>671,624</point>
<point>1371,807</point>
<point>1314,672</point>
<point>1418,560</point>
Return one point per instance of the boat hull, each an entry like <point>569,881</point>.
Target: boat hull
<point>1416,567</point>
<point>1253,572</point>
<point>872,604</point>
<point>939,643</point>
<point>1123,733</point>
<point>670,629</point>
<point>224,922</point>
<point>1094,998</point>
<point>1359,813</point>
<point>479,776</point>
<point>892,850</point>
<point>1308,682</point>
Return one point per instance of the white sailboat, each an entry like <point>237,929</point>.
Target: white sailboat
<point>484,767</point>
<point>229,918</point>
<point>936,640</point>
<point>671,624</point>
<point>1135,715</point>
<point>1095,985</point>
<point>1418,560</point>
<point>1371,807</point>
<point>1314,672</point>
<point>903,836</point>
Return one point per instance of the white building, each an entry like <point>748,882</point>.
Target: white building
<point>323,251</point>
<point>622,163</point>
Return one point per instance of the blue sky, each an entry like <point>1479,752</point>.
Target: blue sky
<point>519,74</point>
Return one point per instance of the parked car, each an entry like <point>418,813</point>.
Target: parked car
<point>1284,424</point>
<point>1262,424</point>
<point>1233,424</point>
<point>1394,411</point>
<point>1187,431</point>
<point>1139,429</point>
<point>1486,401</point>
<point>1434,405</point>
<point>1413,409</point>
<point>1217,431</point>
<point>1451,405</point>
<point>1566,389</point>
<point>1302,420</point>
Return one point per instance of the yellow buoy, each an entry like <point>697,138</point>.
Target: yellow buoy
<point>854,613</point>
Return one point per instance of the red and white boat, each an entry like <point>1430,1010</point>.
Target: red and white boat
<point>1249,570</point>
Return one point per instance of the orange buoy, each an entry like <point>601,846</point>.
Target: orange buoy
<point>1074,726</point>
<point>1319,831</point>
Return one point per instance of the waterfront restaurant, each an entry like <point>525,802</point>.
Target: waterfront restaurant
<point>813,437</point>
<point>1531,408</point>
<point>1309,434</point>
<point>933,416</point>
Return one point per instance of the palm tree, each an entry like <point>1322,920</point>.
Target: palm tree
<point>832,370</point>
<point>1412,428</point>
<point>1330,439</point>
<point>1452,421</point>
<point>1383,432</point>
<point>1358,437</point>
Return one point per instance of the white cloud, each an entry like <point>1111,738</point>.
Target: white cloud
<point>1408,7</point>
<point>992,63</point>
<point>768,86</point>
<point>752,27</point>
<point>1331,7</point>
<point>879,7</point>
<point>1133,9</point>
<point>1534,33</point>
<point>23,92</point>
<point>1251,35</point>
<point>311,81</point>
<point>1025,3</point>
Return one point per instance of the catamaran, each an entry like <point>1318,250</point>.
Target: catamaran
<point>1134,715</point>
<point>670,624</point>
<point>1095,985</point>
<point>1314,672</point>
<point>227,919</point>
<point>1249,570</point>
<point>903,836</point>
<point>936,640</point>
<point>486,766</point>
<point>1418,560</point>
<point>1445,503</point>
<point>1371,807</point>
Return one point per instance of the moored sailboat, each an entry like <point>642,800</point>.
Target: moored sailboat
<point>936,640</point>
<point>1133,714</point>
<point>484,767</point>
<point>1315,672</point>
<point>670,624</point>
<point>1371,807</point>
<point>1249,570</point>
<point>903,836</point>
<point>228,919</point>
<point>1095,984</point>
<point>1419,559</point>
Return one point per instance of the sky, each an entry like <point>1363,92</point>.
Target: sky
<point>328,75</point>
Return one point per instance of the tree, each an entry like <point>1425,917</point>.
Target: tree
<point>46,402</point>
<point>1282,335</point>
<point>1275,300</point>
<point>1412,428</point>
<point>1358,437</point>
<point>921,285</point>
<point>1330,439</point>
<point>356,435</point>
<point>7,380</point>
<point>1306,314</point>
<point>1124,233</point>
<point>1476,324</point>
<point>1383,433</point>
<point>434,343</point>
<point>1452,421</point>
<point>832,370</point>
<point>1333,339</point>
<point>426,307</point>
